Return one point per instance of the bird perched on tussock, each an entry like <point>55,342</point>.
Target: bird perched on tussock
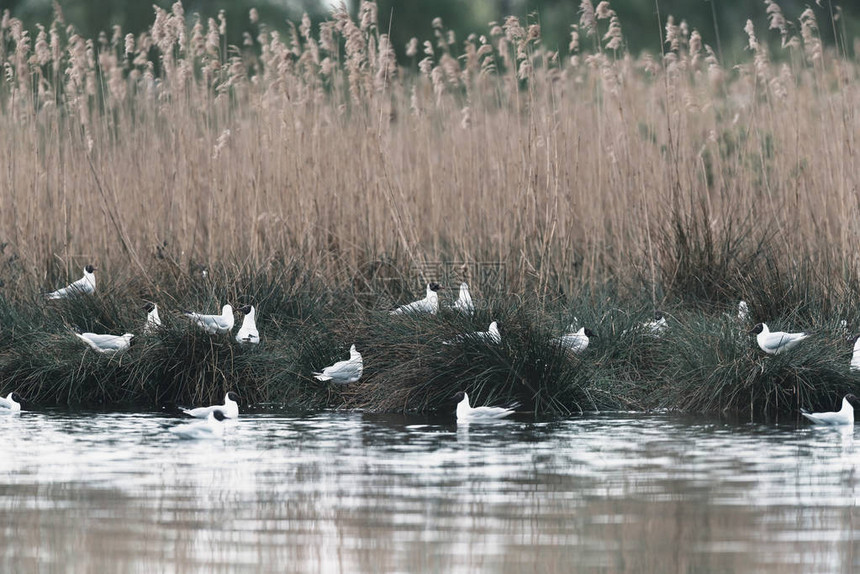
<point>214,324</point>
<point>429,304</point>
<point>86,285</point>
<point>343,372</point>
<point>776,342</point>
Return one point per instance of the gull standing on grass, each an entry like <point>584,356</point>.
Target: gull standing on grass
<point>230,408</point>
<point>576,342</point>
<point>248,331</point>
<point>11,404</point>
<point>212,427</point>
<point>491,335</point>
<point>214,324</point>
<point>153,321</point>
<point>776,342</point>
<point>429,304</point>
<point>107,344</point>
<point>464,302</point>
<point>86,285</point>
<point>343,372</point>
<point>467,414</point>
<point>844,416</point>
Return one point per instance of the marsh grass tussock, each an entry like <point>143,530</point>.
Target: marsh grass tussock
<point>311,175</point>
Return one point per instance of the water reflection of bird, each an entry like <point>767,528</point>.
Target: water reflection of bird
<point>212,427</point>
<point>844,416</point>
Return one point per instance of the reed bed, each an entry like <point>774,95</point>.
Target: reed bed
<point>316,175</point>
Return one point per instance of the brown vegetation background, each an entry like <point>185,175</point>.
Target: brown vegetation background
<point>173,148</point>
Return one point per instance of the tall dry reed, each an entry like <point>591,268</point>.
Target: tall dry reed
<point>172,148</point>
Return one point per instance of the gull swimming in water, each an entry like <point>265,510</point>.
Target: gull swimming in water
<point>11,404</point>
<point>153,321</point>
<point>466,413</point>
<point>776,342</point>
<point>576,342</point>
<point>212,427</point>
<point>844,416</point>
<point>429,304</point>
<point>343,372</point>
<point>86,285</point>
<point>214,324</point>
<point>230,408</point>
<point>248,331</point>
<point>491,335</point>
<point>464,302</point>
<point>106,343</point>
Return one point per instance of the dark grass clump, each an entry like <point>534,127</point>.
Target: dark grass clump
<point>705,361</point>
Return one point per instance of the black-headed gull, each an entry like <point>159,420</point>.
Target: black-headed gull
<point>214,324</point>
<point>774,343</point>
<point>844,416</point>
<point>466,413</point>
<point>656,327</point>
<point>429,304</point>
<point>212,427</point>
<point>230,408</point>
<point>106,343</point>
<point>248,331</point>
<point>491,335</point>
<point>11,404</point>
<point>153,321</point>
<point>743,311</point>
<point>464,302</point>
<point>84,285</point>
<point>343,372</point>
<point>576,342</point>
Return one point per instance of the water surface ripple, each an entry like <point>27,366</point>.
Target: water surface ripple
<point>340,492</point>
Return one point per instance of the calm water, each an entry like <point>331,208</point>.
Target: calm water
<point>349,493</point>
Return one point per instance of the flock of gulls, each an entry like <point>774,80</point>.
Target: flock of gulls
<point>350,370</point>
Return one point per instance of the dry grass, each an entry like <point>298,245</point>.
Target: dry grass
<point>172,148</point>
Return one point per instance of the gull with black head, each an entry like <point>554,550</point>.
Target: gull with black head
<point>11,403</point>
<point>85,285</point>
<point>776,342</point>
<point>230,408</point>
